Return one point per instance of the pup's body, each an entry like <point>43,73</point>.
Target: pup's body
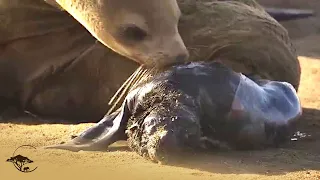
<point>195,106</point>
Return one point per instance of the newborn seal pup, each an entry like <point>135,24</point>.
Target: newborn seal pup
<point>195,106</point>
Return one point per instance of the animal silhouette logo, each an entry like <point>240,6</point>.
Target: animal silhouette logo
<point>20,161</point>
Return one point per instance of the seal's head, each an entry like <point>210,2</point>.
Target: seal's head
<point>145,30</point>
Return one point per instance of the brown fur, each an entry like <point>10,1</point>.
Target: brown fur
<point>38,70</point>
<point>108,20</point>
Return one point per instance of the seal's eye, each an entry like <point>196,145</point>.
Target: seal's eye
<point>133,33</point>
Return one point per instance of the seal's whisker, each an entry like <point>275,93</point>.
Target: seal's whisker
<point>124,85</point>
<point>141,75</point>
<point>125,88</point>
<point>139,78</point>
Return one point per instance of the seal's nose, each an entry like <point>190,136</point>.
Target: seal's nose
<point>181,58</point>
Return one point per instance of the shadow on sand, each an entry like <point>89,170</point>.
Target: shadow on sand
<point>14,116</point>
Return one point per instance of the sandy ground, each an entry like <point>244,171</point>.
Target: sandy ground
<point>296,160</point>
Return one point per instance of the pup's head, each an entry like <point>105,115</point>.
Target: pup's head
<point>144,30</point>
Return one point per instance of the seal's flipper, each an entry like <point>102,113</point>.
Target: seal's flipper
<point>109,130</point>
<point>280,14</point>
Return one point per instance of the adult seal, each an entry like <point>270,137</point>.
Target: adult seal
<point>39,39</point>
<point>52,66</point>
<point>134,29</point>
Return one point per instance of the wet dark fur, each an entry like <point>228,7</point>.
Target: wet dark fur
<point>196,106</point>
<point>168,98</point>
<point>177,97</point>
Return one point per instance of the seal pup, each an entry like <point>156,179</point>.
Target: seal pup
<point>145,31</point>
<point>200,105</point>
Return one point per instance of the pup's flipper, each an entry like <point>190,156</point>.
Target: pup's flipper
<point>109,130</point>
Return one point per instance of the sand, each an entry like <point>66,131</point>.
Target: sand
<point>296,160</point>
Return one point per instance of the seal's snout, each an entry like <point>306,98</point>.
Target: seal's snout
<point>179,51</point>
<point>179,139</point>
<point>176,55</point>
<point>181,58</point>
<point>182,134</point>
